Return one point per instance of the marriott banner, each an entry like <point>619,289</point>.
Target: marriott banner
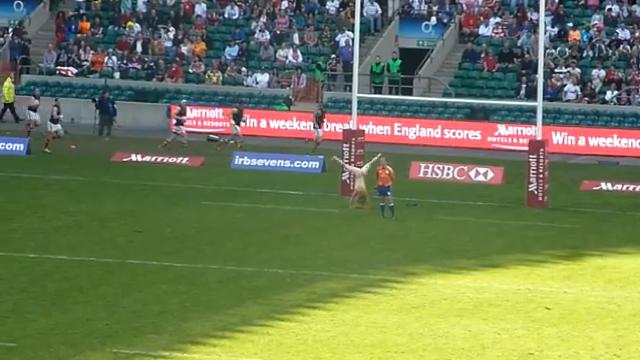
<point>425,132</point>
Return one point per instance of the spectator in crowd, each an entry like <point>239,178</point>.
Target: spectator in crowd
<point>326,38</point>
<point>197,66</point>
<point>295,36</point>
<point>282,55</point>
<point>49,59</point>
<point>63,58</point>
<point>345,36</point>
<point>571,91</point>
<point>550,91</point>
<point>261,79</point>
<point>346,59</point>
<point>175,74</point>
<point>298,84</point>
<point>111,61</point>
<point>282,27</point>
<point>232,51</point>
<point>122,45</point>
<point>232,11</point>
<point>140,45</point>
<point>214,75</point>
<point>469,30</point>
<point>470,55</point>
<point>485,29</point>
<point>332,7</point>
<point>294,57</point>
<point>373,13</point>
<point>199,48</point>
<point>97,30</point>
<point>84,26</point>
<point>332,70</point>
<point>262,35</point>
<point>200,8</point>
<point>310,36</point>
<point>489,62</point>
<point>60,28</point>
<point>160,71</point>
<point>394,73</point>
<point>524,91</point>
<point>238,35</point>
<point>611,97</point>
<point>267,52</point>
<point>274,80</point>
<point>506,56</point>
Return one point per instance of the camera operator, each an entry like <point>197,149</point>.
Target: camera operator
<point>107,113</point>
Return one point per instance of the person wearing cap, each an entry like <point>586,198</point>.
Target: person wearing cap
<point>107,113</point>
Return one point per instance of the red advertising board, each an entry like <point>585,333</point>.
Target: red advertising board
<point>538,175</point>
<point>157,159</point>
<point>422,132</point>
<point>460,173</point>
<point>610,186</point>
<point>352,154</point>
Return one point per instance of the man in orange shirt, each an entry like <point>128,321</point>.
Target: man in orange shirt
<point>199,48</point>
<point>385,176</point>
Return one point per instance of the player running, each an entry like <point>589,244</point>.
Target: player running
<point>360,188</point>
<point>318,123</point>
<point>32,116</point>
<point>54,126</point>
<point>178,126</point>
<point>237,120</point>
<point>385,176</point>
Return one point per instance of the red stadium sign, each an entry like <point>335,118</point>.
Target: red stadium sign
<point>610,186</point>
<point>422,132</point>
<point>459,173</point>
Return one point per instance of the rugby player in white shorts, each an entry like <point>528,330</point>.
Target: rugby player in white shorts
<point>237,119</point>
<point>54,125</point>
<point>360,188</point>
<point>178,126</point>
<point>318,123</point>
<point>32,116</point>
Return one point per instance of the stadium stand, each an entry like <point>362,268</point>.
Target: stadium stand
<point>591,55</point>
<point>182,41</point>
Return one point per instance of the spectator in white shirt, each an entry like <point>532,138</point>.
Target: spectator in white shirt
<point>611,97</point>
<point>261,79</point>
<point>332,7</point>
<point>373,13</point>
<point>262,36</point>
<point>485,29</point>
<point>597,76</point>
<point>495,19</point>
<point>141,6</point>
<point>232,11</point>
<point>344,36</point>
<point>111,61</point>
<point>295,56</point>
<point>571,91</point>
<point>201,9</point>
<point>615,9</point>
<point>623,33</point>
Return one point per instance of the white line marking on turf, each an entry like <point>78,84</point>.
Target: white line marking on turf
<point>6,344</point>
<point>52,177</point>
<point>263,206</point>
<point>606,293</point>
<point>508,222</point>
<point>294,192</point>
<point>167,354</point>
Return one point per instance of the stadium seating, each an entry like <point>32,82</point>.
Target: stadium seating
<point>482,112</point>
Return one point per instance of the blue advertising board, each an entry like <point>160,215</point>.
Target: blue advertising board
<point>14,10</point>
<point>417,32</point>
<point>14,146</point>
<point>278,162</point>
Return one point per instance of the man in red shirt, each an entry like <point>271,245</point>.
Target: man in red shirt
<point>469,26</point>
<point>175,74</point>
<point>189,8</point>
<point>489,62</point>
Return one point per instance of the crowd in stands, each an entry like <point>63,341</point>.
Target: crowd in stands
<point>257,43</point>
<point>17,38</point>
<point>436,11</point>
<point>592,47</point>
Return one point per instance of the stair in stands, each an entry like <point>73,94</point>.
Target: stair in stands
<point>446,72</point>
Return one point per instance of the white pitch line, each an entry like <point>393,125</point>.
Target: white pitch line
<point>508,222</point>
<point>169,354</point>
<point>605,293</point>
<point>6,344</point>
<point>263,206</point>
<point>301,193</point>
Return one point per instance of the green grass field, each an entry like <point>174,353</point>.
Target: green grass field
<point>123,261</point>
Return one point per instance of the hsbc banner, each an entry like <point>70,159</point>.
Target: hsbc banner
<point>458,173</point>
<point>610,186</point>
<point>157,159</point>
<point>423,132</point>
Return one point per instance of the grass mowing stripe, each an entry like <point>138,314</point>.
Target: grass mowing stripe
<point>588,292</point>
<point>508,222</point>
<point>6,344</point>
<point>262,206</point>
<point>167,354</point>
<point>309,193</point>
